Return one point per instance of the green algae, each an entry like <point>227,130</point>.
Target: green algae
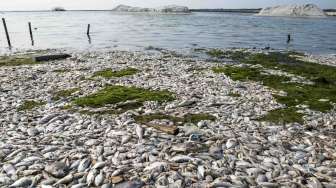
<point>30,104</point>
<point>118,94</point>
<point>17,61</point>
<point>64,93</point>
<point>109,73</point>
<point>317,96</point>
<point>188,118</point>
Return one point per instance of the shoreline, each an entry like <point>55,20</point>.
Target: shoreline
<point>60,128</point>
<point>330,12</point>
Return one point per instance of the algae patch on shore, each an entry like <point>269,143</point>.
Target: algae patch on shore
<point>30,104</point>
<point>188,118</point>
<point>285,115</point>
<point>109,73</point>
<point>17,61</point>
<point>217,53</point>
<point>232,94</point>
<point>118,94</point>
<point>318,96</point>
<point>22,58</point>
<point>64,93</point>
<point>118,109</point>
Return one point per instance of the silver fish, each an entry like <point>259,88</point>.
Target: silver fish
<point>67,179</point>
<point>99,165</point>
<point>99,179</point>
<point>23,182</point>
<point>9,169</point>
<point>83,165</point>
<point>139,131</point>
<point>91,177</point>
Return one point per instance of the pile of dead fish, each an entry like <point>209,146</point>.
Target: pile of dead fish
<point>51,146</point>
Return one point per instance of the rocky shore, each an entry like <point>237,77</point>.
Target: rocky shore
<point>134,119</point>
<point>294,10</point>
<point>163,9</point>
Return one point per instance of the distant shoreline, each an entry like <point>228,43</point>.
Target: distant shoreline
<point>256,10</point>
<point>227,10</point>
<point>329,12</point>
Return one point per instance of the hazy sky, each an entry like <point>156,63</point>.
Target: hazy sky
<point>108,4</point>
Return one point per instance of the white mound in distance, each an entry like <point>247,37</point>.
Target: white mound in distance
<point>306,10</point>
<point>164,9</point>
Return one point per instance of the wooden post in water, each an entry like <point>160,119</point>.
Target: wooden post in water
<point>31,33</point>
<point>88,29</point>
<point>6,31</point>
<point>288,38</point>
<point>89,38</point>
<point>88,33</point>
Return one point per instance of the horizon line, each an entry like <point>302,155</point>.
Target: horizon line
<point>44,10</point>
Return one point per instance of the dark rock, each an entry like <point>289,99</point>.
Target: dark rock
<point>50,57</point>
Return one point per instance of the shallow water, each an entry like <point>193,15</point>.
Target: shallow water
<point>129,31</point>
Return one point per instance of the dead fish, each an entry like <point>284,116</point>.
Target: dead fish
<point>91,177</point>
<point>49,149</point>
<point>99,179</point>
<point>30,172</point>
<point>67,179</point>
<point>4,180</point>
<point>37,179</point>
<point>200,172</point>
<point>24,163</point>
<point>23,182</point>
<point>57,169</point>
<point>268,184</point>
<point>80,175</point>
<point>314,183</point>
<point>14,154</point>
<point>32,159</point>
<point>47,118</point>
<point>100,150</point>
<point>83,179</point>
<point>49,181</point>
<point>115,159</point>
<point>139,131</point>
<point>221,184</point>
<point>80,185</point>
<point>156,166</point>
<point>17,159</point>
<point>107,185</point>
<point>117,172</point>
<point>9,169</point>
<point>181,159</point>
<point>125,139</point>
<point>46,186</point>
<point>75,164</point>
<point>130,184</point>
<point>99,165</point>
<point>83,165</point>
<point>231,143</point>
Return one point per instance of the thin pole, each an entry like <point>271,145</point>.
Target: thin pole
<point>89,38</point>
<point>31,33</point>
<point>288,38</point>
<point>7,35</point>
<point>88,29</point>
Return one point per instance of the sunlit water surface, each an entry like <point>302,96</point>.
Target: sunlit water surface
<point>137,31</point>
